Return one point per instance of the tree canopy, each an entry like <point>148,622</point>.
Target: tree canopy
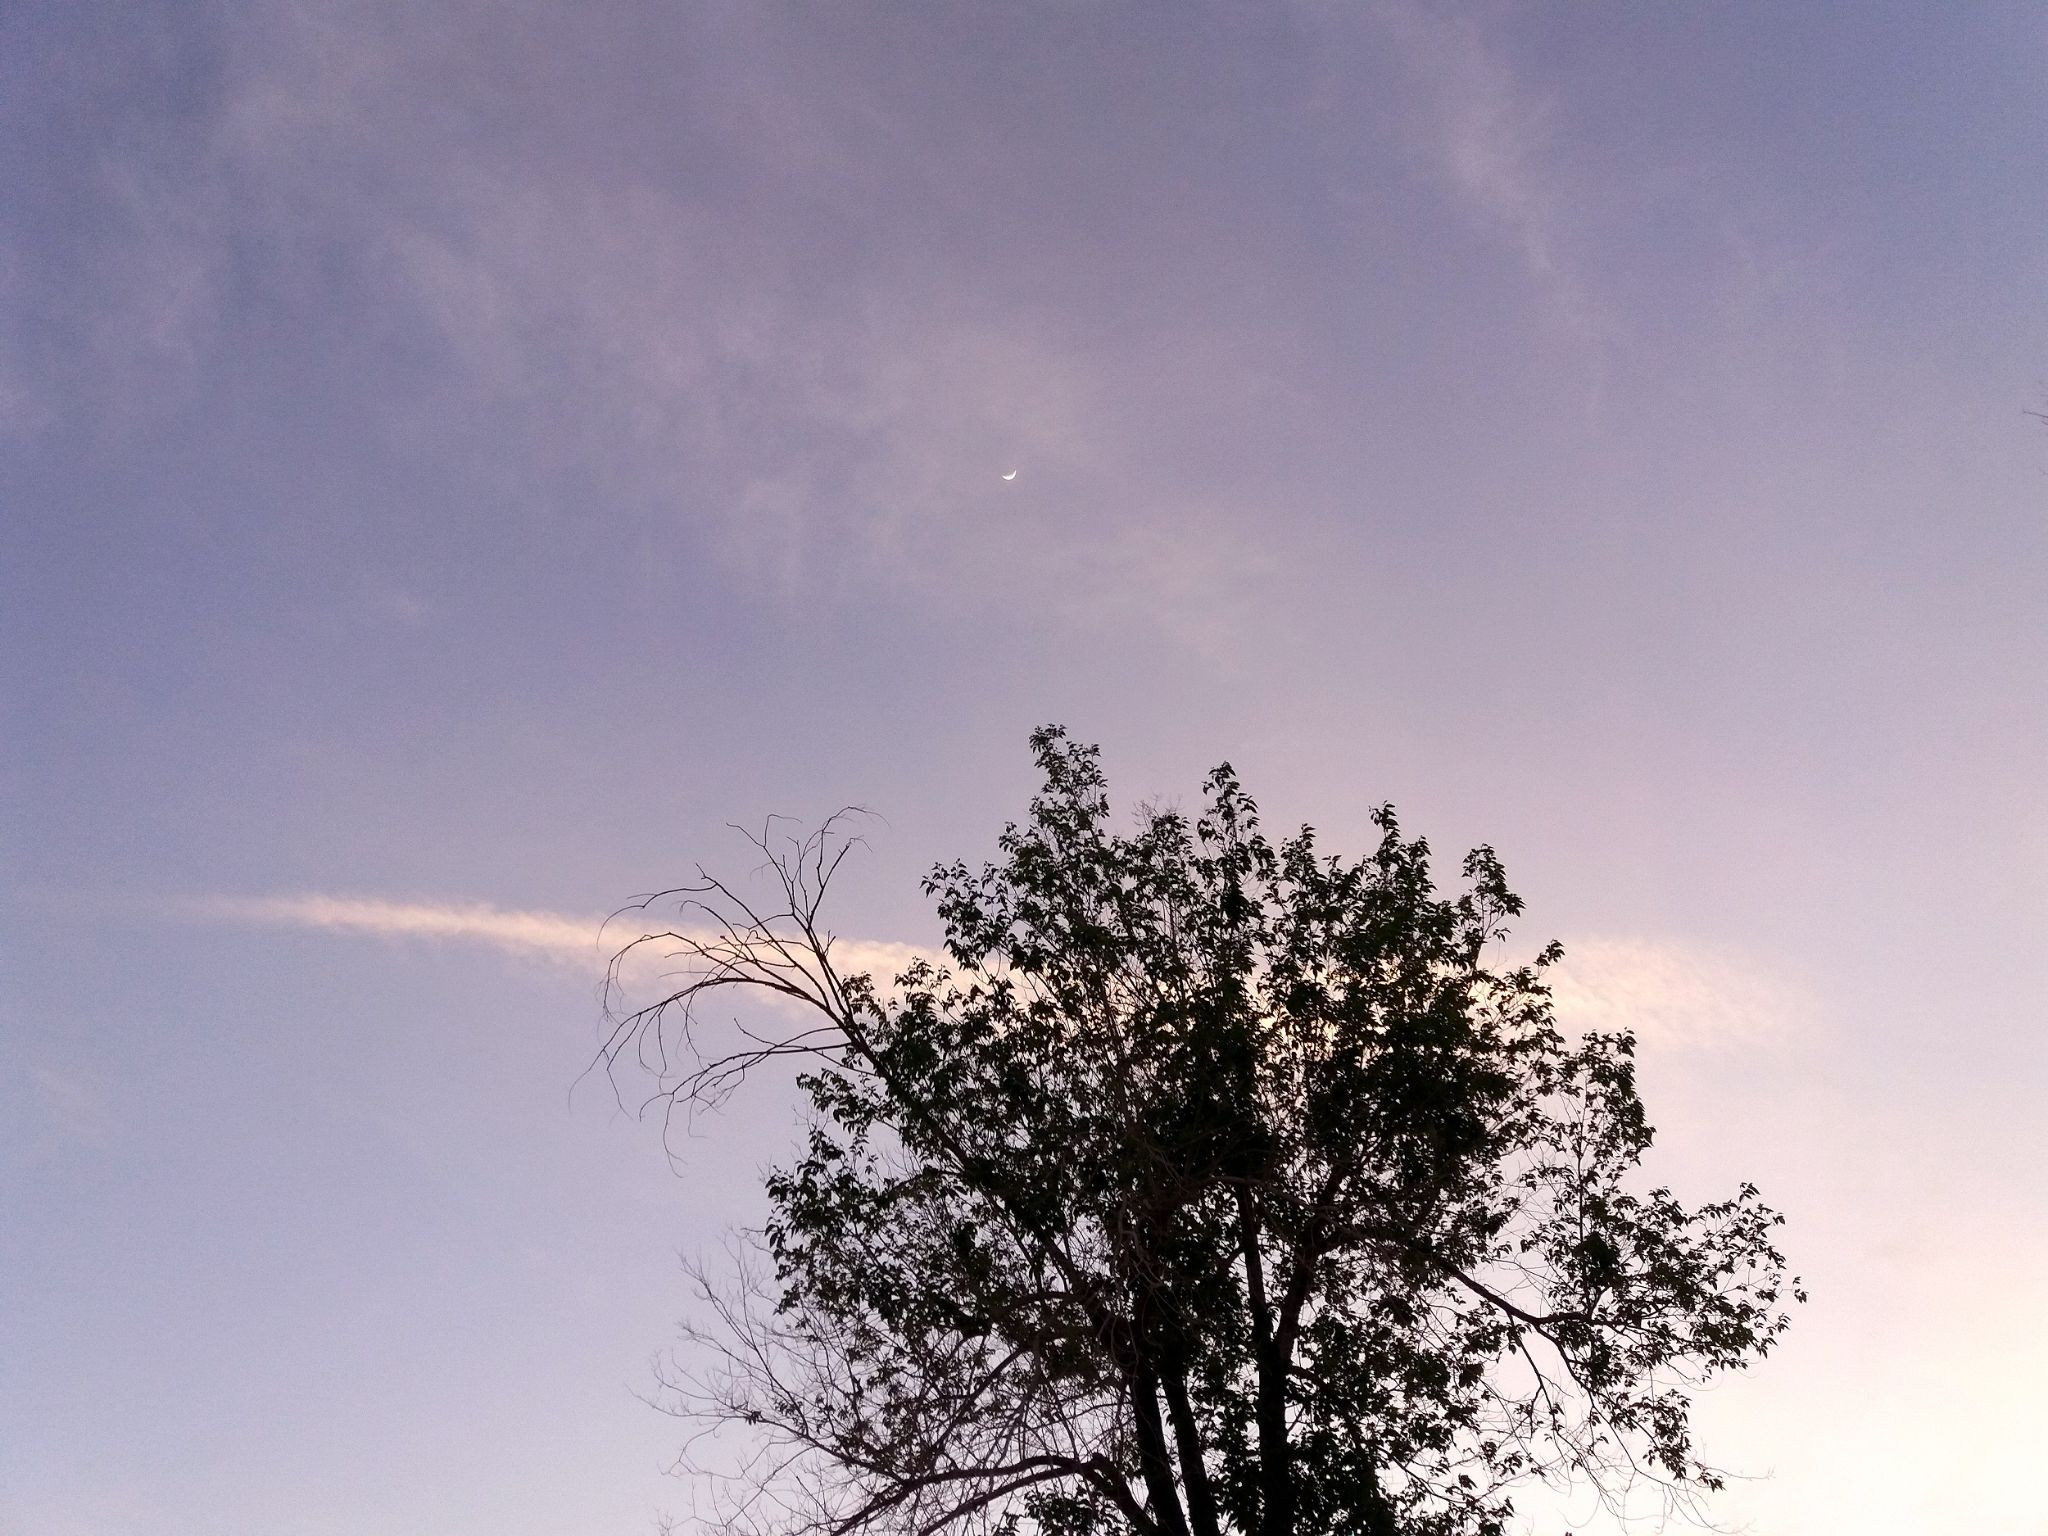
<point>1205,1184</point>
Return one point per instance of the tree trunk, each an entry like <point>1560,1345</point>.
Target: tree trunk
<point>1194,1471</point>
<point>1152,1457</point>
<point>1276,1472</point>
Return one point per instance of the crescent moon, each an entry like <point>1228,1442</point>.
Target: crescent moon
<point>1011,475</point>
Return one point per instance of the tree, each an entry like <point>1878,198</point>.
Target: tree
<point>1204,1186</point>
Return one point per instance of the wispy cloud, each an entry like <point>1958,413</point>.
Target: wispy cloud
<point>50,1112</point>
<point>21,409</point>
<point>686,347</point>
<point>1488,137</point>
<point>75,1109</point>
<point>1672,994</point>
<point>809,409</point>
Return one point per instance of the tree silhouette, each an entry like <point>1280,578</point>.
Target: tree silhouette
<point>1205,1185</point>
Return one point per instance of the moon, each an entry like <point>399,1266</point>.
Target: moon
<point>1011,475</point>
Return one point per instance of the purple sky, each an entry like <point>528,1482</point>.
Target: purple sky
<point>455,457</point>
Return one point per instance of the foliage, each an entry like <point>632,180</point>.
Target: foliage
<point>1204,1185</point>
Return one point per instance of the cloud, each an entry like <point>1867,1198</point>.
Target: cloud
<point>1487,138</point>
<point>585,942</point>
<point>1672,994</point>
<point>763,301</point>
<point>818,430</point>
<point>552,934</point>
<point>50,1113</point>
<point>76,1110</point>
<point>22,410</point>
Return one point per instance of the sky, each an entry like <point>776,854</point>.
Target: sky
<point>457,459</point>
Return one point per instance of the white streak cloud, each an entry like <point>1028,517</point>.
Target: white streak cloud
<point>552,934</point>
<point>1670,994</point>
<point>588,942</point>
